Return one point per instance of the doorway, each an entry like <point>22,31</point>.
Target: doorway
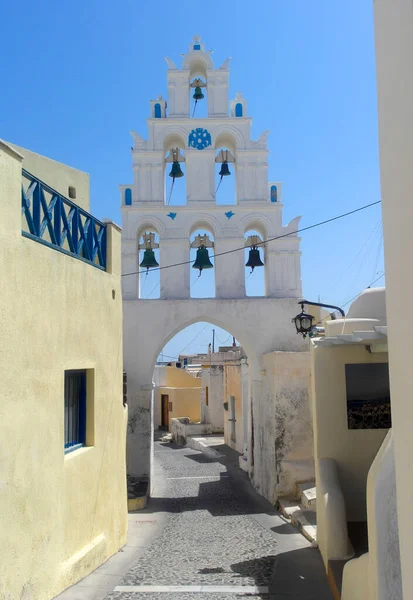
<point>165,411</point>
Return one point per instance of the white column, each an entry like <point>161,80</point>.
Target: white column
<point>178,94</point>
<point>217,86</point>
<point>229,269</point>
<point>175,283</point>
<point>130,264</point>
<point>200,172</point>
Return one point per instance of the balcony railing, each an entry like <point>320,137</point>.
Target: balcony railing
<point>55,221</point>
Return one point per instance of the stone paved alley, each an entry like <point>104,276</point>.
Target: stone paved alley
<point>206,526</point>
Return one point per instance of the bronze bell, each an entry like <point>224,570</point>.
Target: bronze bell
<point>149,261</point>
<point>202,260</point>
<point>176,170</point>
<point>254,259</point>
<point>224,169</point>
<point>198,95</point>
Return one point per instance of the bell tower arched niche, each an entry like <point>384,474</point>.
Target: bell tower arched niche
<point>175,178</point>
<point>225,168</point>
<point>202,268</point>
<point>255,259</point>
<point>148,262</point>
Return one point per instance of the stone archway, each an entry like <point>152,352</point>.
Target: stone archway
<point>151,324</point>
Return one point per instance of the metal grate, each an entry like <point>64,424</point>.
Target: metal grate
<point>75,410</point>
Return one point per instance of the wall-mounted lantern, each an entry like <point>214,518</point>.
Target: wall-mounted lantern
<point>304,322</point>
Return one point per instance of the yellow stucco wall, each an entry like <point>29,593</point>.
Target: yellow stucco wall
<point>62,515</point>
<point>232,387</point>
<point>186,402</point>
<point>180,378</point>
<point>352,449</point>
<point>58,176</point>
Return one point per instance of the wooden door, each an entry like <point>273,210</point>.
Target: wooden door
<point>165,410</point>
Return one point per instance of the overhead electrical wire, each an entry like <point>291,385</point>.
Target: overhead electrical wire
<point>278,237</point>
<point>197,335</point>
<point>369,286</point>
<point>354,297</point>
<point>345,271</point>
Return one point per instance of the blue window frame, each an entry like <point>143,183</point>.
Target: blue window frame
<point>75,410</point>
<point>157,111</point>
<point>238,109</point>
<point>128,197</point>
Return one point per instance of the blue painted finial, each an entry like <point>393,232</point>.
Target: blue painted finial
<point>171,215</point>
<point>229,214</point>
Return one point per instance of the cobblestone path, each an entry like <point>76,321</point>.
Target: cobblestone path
<point>216,534</point>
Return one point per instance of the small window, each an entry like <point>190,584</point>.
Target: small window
<point>206,396</point>
<point>72,192</point>
<point>274,196</point>
<point>75,410</point>
<point>197,46</point>
<point>238,109</point>
<point>128,197</point>
<point>368,396</point>
<point>170,406</point>
<point>157,111</point>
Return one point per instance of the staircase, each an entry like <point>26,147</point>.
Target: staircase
<point>300,509</point>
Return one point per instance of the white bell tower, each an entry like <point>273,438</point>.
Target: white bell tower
<point>258,201</point>
<point>196,145</point>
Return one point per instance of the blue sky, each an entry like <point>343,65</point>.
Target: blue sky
<point>78,76</point>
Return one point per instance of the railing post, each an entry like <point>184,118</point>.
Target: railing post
<point>57,220</point>
<point>36,208</point>
<point>75,230</point>
<point>89,237</point>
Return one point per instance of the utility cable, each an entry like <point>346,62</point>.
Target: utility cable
<point>335,285</point>
<point>369,286</point>
<point>353,298</point>
<point>152,291</point>
<point>197,335</point>
<point>278,237</point>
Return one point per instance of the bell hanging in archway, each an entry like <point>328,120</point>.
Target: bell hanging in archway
<point>224,172</point>
<point>254,259</point>
<point>202,260</point>
<point>176,170</point>
<point>198,95</point>
<point>149,261</point>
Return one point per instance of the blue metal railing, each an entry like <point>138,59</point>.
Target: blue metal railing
<point>53,220</point>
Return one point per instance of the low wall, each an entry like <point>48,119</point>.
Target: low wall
<point>182,428</point>
<point>377,574</point>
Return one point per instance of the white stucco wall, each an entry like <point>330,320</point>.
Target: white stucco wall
<point>377,574</point>
<point>283,444</point>
<point>213,377</point>
<point>57,175</point>
<point>394,60</point>
<point>62,514</point>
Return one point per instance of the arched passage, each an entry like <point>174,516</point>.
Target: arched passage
<point>151,324</point>
<point>202,374</point>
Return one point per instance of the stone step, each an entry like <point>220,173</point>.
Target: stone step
<point>288,506</point>
<point>307,494</point>
<point>301,517</point>
<point>306,522</point>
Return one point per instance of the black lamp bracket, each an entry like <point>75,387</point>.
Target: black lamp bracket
<point>340,310</point>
